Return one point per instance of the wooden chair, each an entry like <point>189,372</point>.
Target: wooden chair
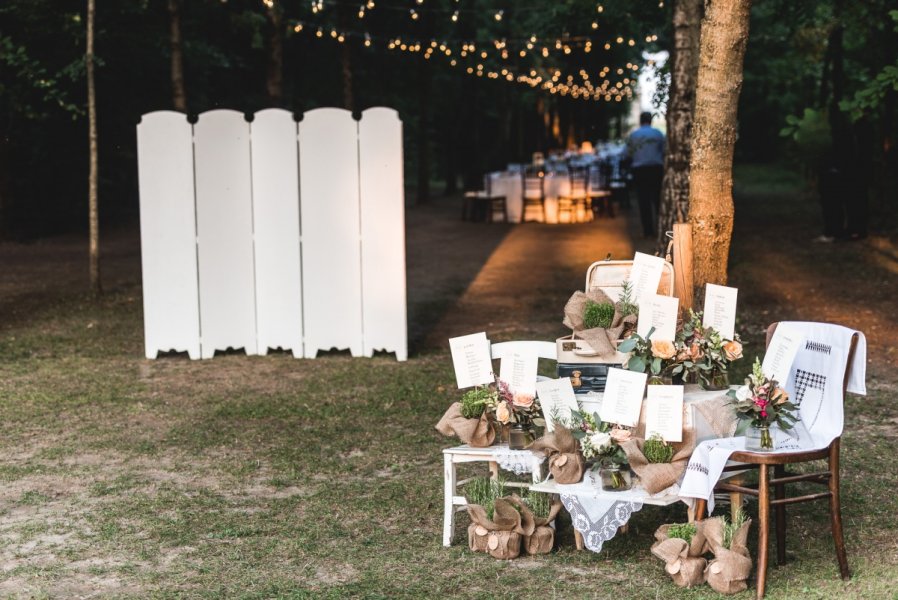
<point>533,193</point>
<point>777,461</point>
<point>599,189</point>
<point>484,201</point>
<point>577,198</point>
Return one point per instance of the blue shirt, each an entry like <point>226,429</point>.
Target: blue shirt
<point>646,147</point>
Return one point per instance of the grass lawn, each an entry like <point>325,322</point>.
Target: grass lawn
<point>269,477</point>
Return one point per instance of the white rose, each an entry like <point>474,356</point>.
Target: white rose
<point>600,440</point>
<point>743,393</point>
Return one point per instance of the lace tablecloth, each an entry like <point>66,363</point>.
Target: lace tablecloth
<point>517,461</point>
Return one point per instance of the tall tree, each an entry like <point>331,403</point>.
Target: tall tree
<point>344,14</point>
<point>176,47</point>
<point>274,70</point>
<point>723,40</point>
<point>93,210</point>
<point>674,208</point>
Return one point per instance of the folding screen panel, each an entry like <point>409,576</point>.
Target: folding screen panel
<point>329,207</point>
<point>168,234</point>
<point>275,181</point>
<point>224,216</point>
<point>383,232</point>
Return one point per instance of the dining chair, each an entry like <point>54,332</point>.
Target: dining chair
<point>577,199</point>
<point>533,193</point>
<point>599,189</point>
<point>484,201</point>
<point>775,462</point>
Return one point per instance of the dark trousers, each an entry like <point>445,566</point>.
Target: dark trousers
<point>647,181</point>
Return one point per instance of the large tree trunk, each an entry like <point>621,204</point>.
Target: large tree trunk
<point>5,179</point>
<point>424,84</point>
<point>687,23</point>
<point>723,40</point>
<point>93,212</point>
<point>274,70</point>
<point>178,90</point>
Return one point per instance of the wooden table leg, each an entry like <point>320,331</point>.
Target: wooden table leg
<point>494,469</point>
<point>448,495</point>
<point>763,528</point>
<point>578,540</point>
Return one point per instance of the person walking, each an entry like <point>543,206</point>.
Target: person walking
<point>645,148</point>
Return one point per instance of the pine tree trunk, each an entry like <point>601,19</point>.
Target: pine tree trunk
<point>723,40</point>
<point>93,213</point>
<point>674,208</point>
<point>274,71</point>
<point>178,89</point>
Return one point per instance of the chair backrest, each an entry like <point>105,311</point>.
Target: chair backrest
<point>851,350</point>
<point>533,184</point>
<point>598,180</point>
<point>578,182</point>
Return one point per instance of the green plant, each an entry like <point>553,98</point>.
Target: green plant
<point>538,503</point>
<point>625,303</point>
<point>683,531</point>
<point>484,491</point>
<point>598,315</point>
<point>730,529</point>
<point>475,401</point>
<point>656,450</point>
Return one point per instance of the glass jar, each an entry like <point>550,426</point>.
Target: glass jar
<point>759,439</point>
<point>616,478</point>
<point>717,381</point>
<point>519,437</point>
<point>660,380</point>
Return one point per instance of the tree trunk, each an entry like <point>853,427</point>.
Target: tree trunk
<point>5,179</point>
<point>344,19</point>
<point>723,40</point>
<point>274,71</point>
<point>674,208</point>
<point>178,90</point>
<point>93,213</point>
<point>424,76</point>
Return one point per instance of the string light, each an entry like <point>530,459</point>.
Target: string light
<point>499,14</point>
<point>414,14</point>
<point>455,17</point>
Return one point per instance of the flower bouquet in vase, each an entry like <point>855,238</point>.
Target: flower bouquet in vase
<point>656,358</point>
<point>600,442</point>
<point>761,403</point>
<point>703,356</point>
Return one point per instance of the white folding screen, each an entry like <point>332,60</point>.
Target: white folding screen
<point>383,232</point>
<point>271,234</point>
<point>276,216</point>
<point>224,224</point>
<point>171,311</point>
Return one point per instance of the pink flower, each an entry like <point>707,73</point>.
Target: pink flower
<point>764,413</point>
<point>523,400</point>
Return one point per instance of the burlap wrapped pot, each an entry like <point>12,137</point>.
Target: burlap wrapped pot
<point>563,451</point>
<point>542,540</point>
<point>478,433</point>
<point>656,477</point>
<point>728,571</point>
<point>600,340</point>
<point>500,537</point>
<point>683,560</point>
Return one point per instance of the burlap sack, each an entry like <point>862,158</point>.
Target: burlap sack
<point>501,536</point>
<point>600,340</point>
<point>542,540</point>
<point>719,414</point>
<point>478,433</point>
<point>683,561</point>
<point>656,477</point>
<point>565,461</point>
<point>728,572</point>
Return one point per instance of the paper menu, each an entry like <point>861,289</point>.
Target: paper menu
<point>720,310</point>
<point>659,312</point>
<point>471,359</point>
<point>664,412</point>
<point>622,401</point>
<point>645,275</point>
<point>556,397</point>
<point>518,370</point>
<point>781,352</point>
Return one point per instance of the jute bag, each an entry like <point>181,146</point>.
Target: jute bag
<point>542,540</point>
<point>501,536</point>
<point>478,433</point>
<point>683,561</point>
<point>660,476</point>
<point>565,461</point>
<point>602,341</point>
<point>728,571</point>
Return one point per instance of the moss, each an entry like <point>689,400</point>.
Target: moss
<point>598,315</point>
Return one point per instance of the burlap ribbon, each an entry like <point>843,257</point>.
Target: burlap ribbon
<point>565,461</point>
<point>501,536</point>
<point>600,340</point>
<point>728,571</point>
<point>683,561</point>
<point>660,476</point>
<point>478,433</point>
<point>719,414</point>
<point>542,540</point>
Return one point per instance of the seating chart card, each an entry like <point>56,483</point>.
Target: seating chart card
<point>471,359</point>
<point>645,276</point>
<point>781,352</point>
<point>518,370</point>
<point>720,310</point>
<point>659,312</point>
<point>556,396</point>
<point>623,397</point>
<point>664,412</point>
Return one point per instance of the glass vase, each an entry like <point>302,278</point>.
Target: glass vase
<point>519,437</point>
<point>759,439</point>
<point>616,478</point>
<point>715,382</point>
<point>660,380</point>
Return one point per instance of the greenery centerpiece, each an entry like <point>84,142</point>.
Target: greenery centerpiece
<point>656,358</point>
<point>703,356</point>
<point>601,442</point>
<point>761,402</point>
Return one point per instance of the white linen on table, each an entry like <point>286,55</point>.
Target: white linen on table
<point>814,385</point>
<point>509,184</point>
<point>596,515</point>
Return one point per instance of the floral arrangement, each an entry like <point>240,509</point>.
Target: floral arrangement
<point>601,441</point>
<point>703,354</point>
<point>516,407</point>
<point>762,402</point>
<point>655,357</point>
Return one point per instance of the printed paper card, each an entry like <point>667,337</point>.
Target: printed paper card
<point>556,396</point>
<point>471,359</point>
<point>664,412</point>
<point>645,276</point>
<point>781,352</point>
<point>720,310</point>
<point>518,370</point>
<point>659,312</point>
<point>622,402</point>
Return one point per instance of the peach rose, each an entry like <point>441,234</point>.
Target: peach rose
<point>663,349</point>
<point>503,414</point>
<point>621,435</point>
<point>696,352</point>
<point>780,396</point>
<point>732,350</point>
<point>523,400</point>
